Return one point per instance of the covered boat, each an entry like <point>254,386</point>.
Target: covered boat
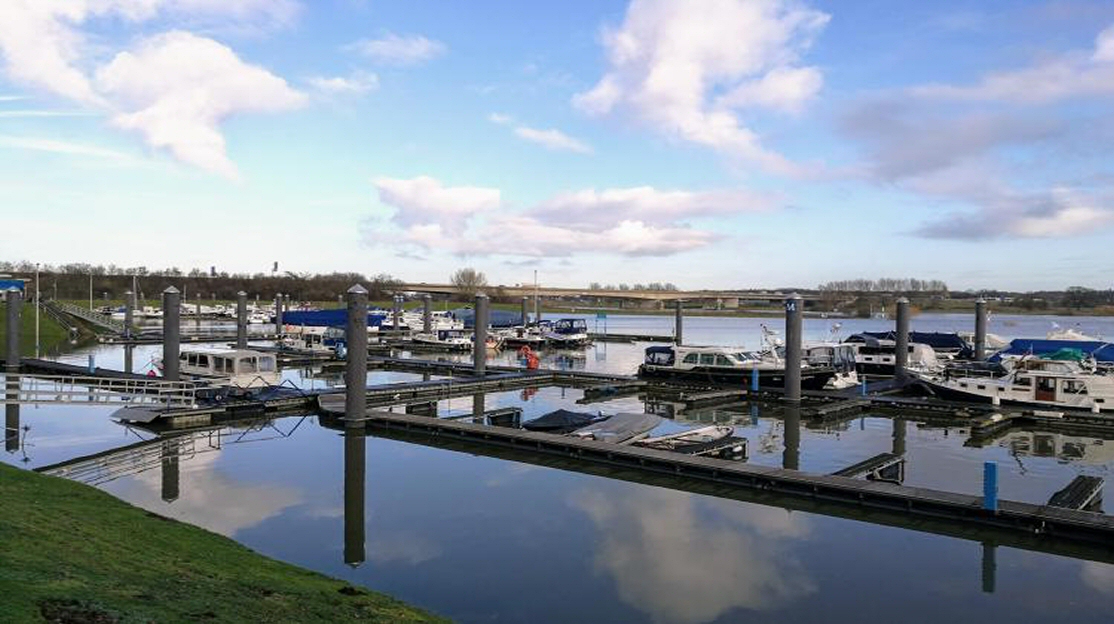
<point>727,365</point>
<point>622,428</point>
<point>1031,382</point>
<point>1102,352</point>
<point>562,421</point>
<point>691,441</point>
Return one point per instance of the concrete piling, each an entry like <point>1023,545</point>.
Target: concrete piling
<point>901,345</point>
<point>14,300</point>
<point>355,370</point>
<point>171,332</point>
<point>427,314</point>
<point>525,313</point>
<point>479,342</point>
<point>396,314</point>
<point>679,322</point>
<point>241,320</point>
<point>793,309</point>
<point>980,329</point>
<point>278,315</point>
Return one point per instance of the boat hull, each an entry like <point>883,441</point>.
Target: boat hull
<point>948,393</point>
<point>811,379</point>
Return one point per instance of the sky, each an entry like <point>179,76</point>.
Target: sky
<point>711,144</point>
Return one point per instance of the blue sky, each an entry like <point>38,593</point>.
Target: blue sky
<point>726,143</point>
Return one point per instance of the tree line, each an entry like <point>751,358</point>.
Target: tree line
<point>885,284</point>
<point>651,286</point>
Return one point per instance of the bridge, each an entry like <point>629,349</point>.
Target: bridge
<point>529,290</point>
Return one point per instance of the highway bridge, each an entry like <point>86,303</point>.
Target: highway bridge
<point>729,298</point>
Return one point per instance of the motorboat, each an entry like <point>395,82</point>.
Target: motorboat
<point>691,441</point>
<point>1069,333</point>
<point>622,428</point>
<point>232,367</point>
<point>728,365</point>
<point>566,333</point>
<point>314,339</point>
<point>562,421</point>
<point>1034,382</point>
<point>449,339</point>
<point>836,355</point>
<point>523,337</point>
<point>877,356</point>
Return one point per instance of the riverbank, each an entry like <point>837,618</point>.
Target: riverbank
<point>52,336</point>
<point>73,553</point>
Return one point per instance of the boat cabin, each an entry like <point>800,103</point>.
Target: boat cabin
<point>239,367</point>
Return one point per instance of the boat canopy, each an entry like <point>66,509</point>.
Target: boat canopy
<point>1101,351</point>
<point>661,356</point>
<point>328,318</point>
<point>561,421</point>
<point>939,341</point>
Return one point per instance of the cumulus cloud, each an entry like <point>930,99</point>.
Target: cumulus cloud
<point>392,49</point>
<point>553,139</point>
<point>175,89</point>
<point>667,63</point>
<point>633,222</point>
<point>355,84</point>
<point>970,146</point>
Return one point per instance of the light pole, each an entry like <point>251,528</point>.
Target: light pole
<point>90,291</point>
<point>37,310</point>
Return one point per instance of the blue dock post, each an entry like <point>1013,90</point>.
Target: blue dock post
<point>754,379</point>
<point>990,486</point>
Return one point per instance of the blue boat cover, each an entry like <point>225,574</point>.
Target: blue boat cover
<point>1101,351</point>
<point>499,318</point>
<point>328,318</point>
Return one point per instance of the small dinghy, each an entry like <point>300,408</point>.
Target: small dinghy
<point>562,421</point>
<point>621,428</point>
<point>689,441</point>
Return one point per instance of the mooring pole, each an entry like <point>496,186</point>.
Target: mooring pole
<point>479,340</point>
<point>15,306</point>
<point>11,420</point>
<point>129,306</point>
<point>793,312</point>
<point>427,314</point>
<point>278,315</point>
<point>355,370</point>
<point>355,466</point>
<point>241,320</point>
<point>901,345</point>
<point>170,482</point>
<point>980,329</point>
<point>537,309</point>
<point>897,446</point>
<point>129,350</point>
<point>171,332</point>
<point>990,486</point>
<point>679,322</point>
<point>791,456</point>
<point>525,313</point>
<point>396,317</point>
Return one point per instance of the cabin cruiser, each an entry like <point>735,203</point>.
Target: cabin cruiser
<point>450,339</point>
<point>1029,381</point>
<point>839,356</point>
<point>523,337</point>
<point>728,365</point>
<point>566,333</point>
<point>315,339</point>
<point>874,356</point>
<point>231,367</point>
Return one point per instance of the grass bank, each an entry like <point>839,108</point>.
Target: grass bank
<point>52,336</point>
<point>72,553</point>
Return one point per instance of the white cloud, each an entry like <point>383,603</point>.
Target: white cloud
<point>12,98</point>
<point>632,222</point>
<point>500,118</point>
<point>359,82</point>
<point>42,113</point>
<point>425,200</point>
<point>553,139</point>
<point>666,62</point>
<point>62,147</point>
<point>1104,46</point>
<point>175,89</point>
<point>394,49</point>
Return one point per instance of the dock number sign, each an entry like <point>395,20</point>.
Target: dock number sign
<point>790,305</point>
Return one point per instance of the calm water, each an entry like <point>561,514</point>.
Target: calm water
<point>481,539</point>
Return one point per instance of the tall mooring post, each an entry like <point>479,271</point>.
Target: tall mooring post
<point>396,316</point>
<point>129,307</point>
<point>14,299</point>
<point>427,314</point>
<point>525,313</point>
<point>901,344</point>
<point>355,467</point>
<point>793,311</point>
<point>791,455</point>
<point>278,315</point>
<point>537,310</point>
<point>355,370</point>
<point>679,322</point>
<point>479,341</point>
<point>241,320</point>
<point>171,332</point>
<point>980,329</point>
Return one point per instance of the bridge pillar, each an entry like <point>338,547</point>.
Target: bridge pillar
<point>241,320</point>
<point>171,332</point>
<point>14,299</point>
<point>479,340</point>
<point>901,344</point>
<point>793,310</point>
<point>355,369</point>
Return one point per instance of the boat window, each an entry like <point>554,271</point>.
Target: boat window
<point>692,358</point>
<point>1024,381</point>
<point>247,365</point>
<point>722,361</point>
<point>203,361</point>
<point>183,357</point>
<point>266,365</point>
<point>191,359</point>
<point>1074,386</point>
<point>981,387</point>
<point>707,359</point>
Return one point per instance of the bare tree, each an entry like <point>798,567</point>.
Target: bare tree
<point>469,281</point>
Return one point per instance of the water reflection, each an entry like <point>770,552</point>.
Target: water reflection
<point>355,466</point>
<point>11,427</point>
<point>791,457</point>
<point>681,558</point>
